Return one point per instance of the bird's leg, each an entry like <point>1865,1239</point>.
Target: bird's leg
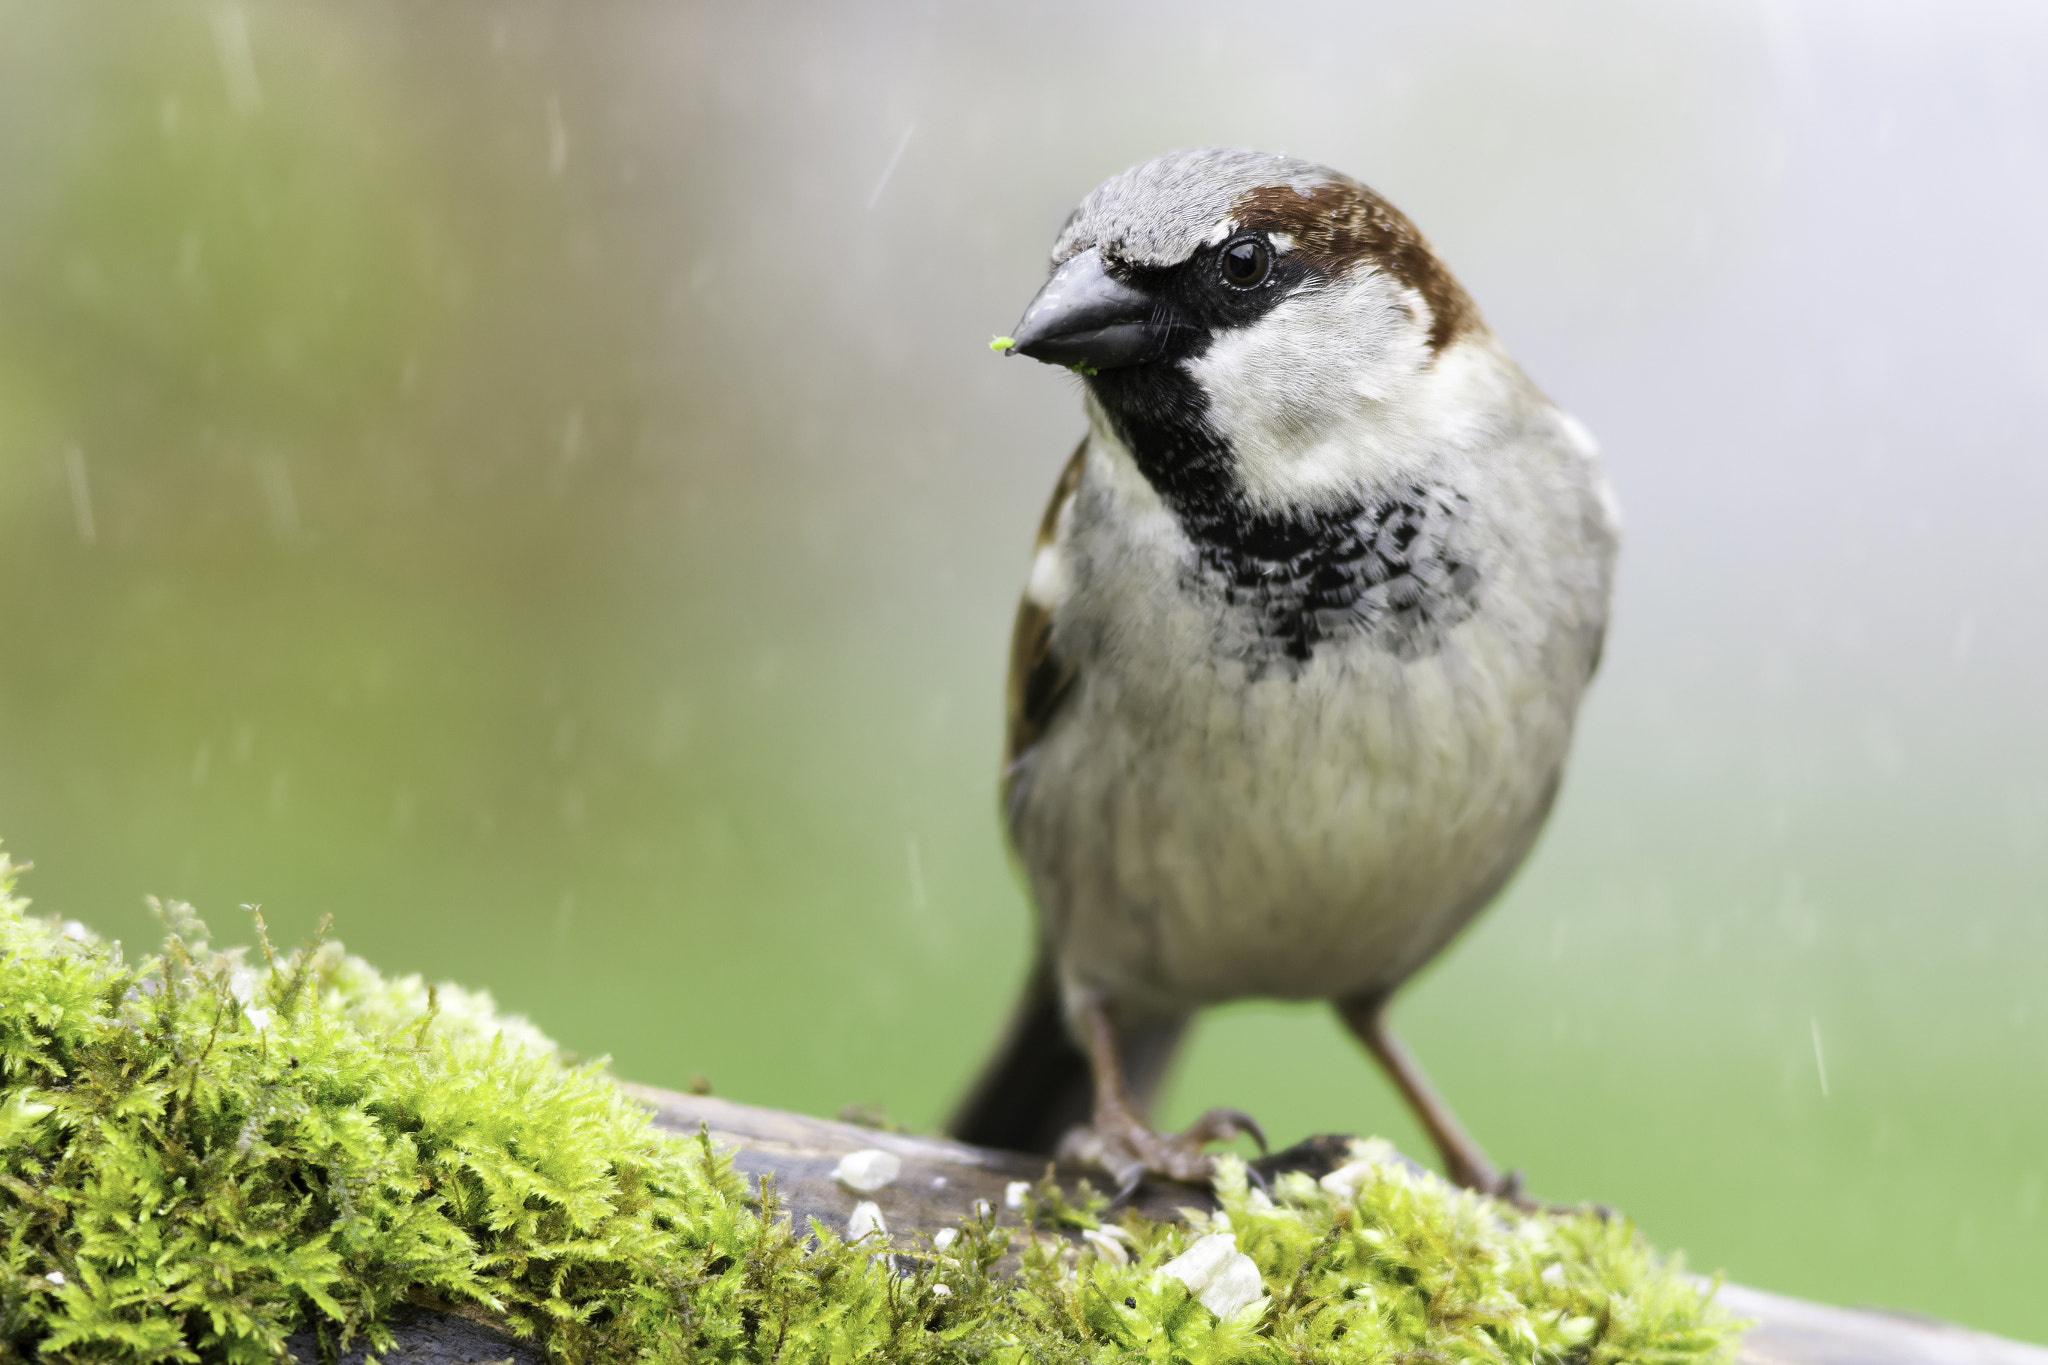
<point>1118,1139</point>
<point>1464,1163</point>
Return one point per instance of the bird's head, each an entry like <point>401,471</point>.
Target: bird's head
<point>1255,319</point>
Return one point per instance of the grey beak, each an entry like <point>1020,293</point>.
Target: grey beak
<point>1083,316</point>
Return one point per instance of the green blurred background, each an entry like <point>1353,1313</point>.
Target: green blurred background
<point>527,480</point>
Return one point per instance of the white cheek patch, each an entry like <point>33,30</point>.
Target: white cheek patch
<point>1337,387</point>
<point>1303,394</point>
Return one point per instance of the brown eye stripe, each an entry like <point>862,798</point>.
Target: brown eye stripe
<point>1341,223</point>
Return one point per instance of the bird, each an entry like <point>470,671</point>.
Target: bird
<point>1301,649</point>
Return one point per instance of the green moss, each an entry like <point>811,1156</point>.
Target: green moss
<point>1001,344</point>
<point>203,1153</point>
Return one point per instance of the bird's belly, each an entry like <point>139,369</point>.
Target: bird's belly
<point>1308,837</point>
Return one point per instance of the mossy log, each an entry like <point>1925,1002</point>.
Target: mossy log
<point>940,1182</point>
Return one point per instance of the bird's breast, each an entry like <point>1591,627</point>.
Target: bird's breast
<point>1294,766</point>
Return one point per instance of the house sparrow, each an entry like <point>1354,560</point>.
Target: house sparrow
<point>1305,634</point>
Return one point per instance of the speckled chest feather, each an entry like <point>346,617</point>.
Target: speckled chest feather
<point>1388,567</point>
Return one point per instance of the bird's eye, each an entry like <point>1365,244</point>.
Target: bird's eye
<point>1246,263</point>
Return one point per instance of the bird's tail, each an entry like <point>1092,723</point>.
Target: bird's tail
<point>1037,1086</point>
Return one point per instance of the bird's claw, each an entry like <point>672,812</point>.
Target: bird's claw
<point>1129,1151</point>
<point>1227,1125</point>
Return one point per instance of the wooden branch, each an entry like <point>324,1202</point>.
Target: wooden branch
<point>940,1182</point>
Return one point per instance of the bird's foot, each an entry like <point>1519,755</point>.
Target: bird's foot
<point>1122,1145</point>
<point>1504,1186</point>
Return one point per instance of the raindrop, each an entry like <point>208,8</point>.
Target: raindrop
<point>882,182</point>
<point>237,58</point>
<point>81,496</point>
<point>278,499</point>
<point>568,452</point>
<point>672,726</point>
<point>558,138</point>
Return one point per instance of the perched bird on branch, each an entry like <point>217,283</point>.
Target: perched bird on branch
<point>1305,634</point>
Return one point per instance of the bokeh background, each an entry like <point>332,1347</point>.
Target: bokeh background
<point>528,480</point>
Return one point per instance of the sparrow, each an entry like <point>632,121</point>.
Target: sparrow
<point>1298,660</point>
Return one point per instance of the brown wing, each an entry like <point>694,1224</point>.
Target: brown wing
<point>1039,677</point>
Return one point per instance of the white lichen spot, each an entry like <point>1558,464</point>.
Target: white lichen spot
<point>1375,1158</point>
<point>867,1170</point>
<point>1105,1245</point>
<point>56,1277</point>
<point>944,1238</point>
<point>1553,1274</point>
<point>1014,1192</point>
<point>940,1291</point>
<point>866,1221</point>
<point>1342,1184</point>
<point>1222,1278</point>
<point>259,1018</point>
